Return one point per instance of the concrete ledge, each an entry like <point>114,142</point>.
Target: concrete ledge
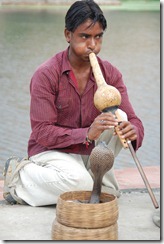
<point>135,5</point>
<point>130,177</point>
<point>55,2</point>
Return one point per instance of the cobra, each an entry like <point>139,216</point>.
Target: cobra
<point>101,161</point>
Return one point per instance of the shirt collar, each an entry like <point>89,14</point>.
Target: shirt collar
<point>66,64</point>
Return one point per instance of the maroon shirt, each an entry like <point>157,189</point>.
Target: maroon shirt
<point>60,116</point>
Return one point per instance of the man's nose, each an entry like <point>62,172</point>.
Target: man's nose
<point>91,44</point>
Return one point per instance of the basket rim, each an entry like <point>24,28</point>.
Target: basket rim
<point>63,195</point>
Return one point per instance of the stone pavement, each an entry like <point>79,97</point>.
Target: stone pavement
<point>135,211</point>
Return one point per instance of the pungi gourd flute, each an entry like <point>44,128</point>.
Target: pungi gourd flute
<point>107,99</point>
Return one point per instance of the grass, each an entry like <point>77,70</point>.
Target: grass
<point>136,5</point>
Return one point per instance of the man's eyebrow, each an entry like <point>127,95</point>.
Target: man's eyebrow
<point>86,34</point>
<point>100,34</point>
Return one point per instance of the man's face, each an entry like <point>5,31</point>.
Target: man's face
<point>85,39</point>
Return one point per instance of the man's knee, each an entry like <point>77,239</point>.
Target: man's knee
<point>80,181</point>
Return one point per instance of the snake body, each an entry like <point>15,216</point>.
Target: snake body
<point>101,161</point>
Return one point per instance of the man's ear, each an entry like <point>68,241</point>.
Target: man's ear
<point>67,34</point>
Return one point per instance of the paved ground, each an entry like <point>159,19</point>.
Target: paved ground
<point>135,212</point>
<point>35,223</point>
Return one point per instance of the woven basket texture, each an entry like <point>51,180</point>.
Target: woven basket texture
<point>70,212</point>
<point>61,232</point>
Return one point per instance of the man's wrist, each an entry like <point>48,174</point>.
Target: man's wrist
<point>87,136</point>
<point>87,141</point>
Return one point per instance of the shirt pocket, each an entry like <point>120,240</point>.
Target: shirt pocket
<point>62,100</point>
<point>62,105</point>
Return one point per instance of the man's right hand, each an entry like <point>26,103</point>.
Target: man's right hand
<point>104,121</point>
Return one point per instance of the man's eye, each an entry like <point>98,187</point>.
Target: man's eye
<point>99,36</point>
<point>84,36</point>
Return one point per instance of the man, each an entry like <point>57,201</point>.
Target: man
<point>65,123</point>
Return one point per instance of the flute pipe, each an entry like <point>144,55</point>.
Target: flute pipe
<point>127,144</point>
<point>143,175</point>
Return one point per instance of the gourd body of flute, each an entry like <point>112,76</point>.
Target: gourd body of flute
<point>105,95</point>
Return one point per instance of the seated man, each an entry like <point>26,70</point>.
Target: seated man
<point>65,124</point>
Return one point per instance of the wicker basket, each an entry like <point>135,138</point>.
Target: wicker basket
<point>71,213</point>
<point>62,232</point>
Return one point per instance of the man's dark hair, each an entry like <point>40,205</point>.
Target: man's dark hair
<point>82,10</point>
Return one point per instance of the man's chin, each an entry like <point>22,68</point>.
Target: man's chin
<point>86,59</point>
